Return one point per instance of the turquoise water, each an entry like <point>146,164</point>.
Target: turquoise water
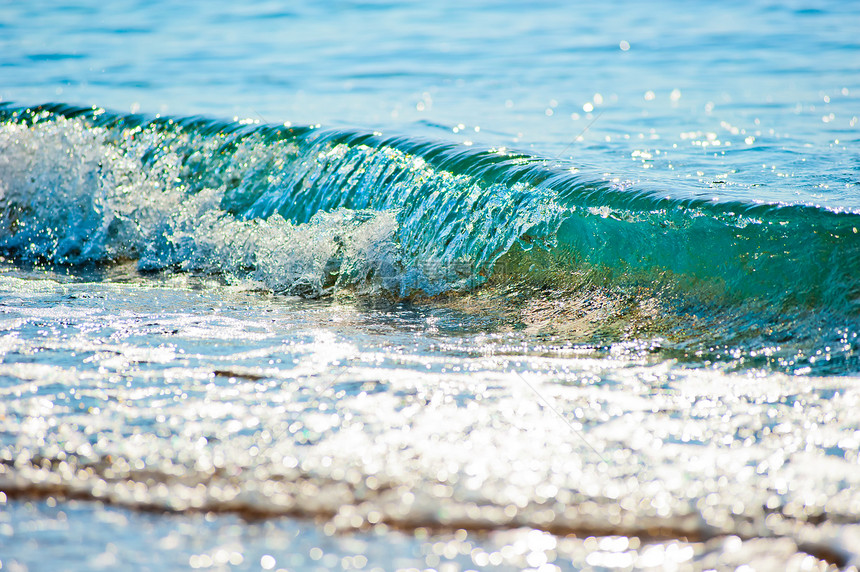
<point>450,286</point>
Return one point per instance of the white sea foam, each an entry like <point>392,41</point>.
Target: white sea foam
<point>69,194</point>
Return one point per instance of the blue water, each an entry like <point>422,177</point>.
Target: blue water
<point>771,72</point>
<point>531,285</point>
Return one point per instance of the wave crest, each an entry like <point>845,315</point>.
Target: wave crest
<point>311,211</point>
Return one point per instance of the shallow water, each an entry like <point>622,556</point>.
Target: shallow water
<point>169,397</point>
<point>447,286</point>
<point>70,533</point>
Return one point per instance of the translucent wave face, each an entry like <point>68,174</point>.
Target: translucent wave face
<point>83,186</point>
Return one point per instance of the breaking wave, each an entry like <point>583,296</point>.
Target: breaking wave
<point>312,212</point>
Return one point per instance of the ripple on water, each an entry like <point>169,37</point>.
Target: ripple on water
<point>312,410</point>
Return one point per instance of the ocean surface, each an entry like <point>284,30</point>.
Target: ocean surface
<point>359,285</point>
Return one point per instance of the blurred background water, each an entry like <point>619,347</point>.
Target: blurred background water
<point>762,96</point>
